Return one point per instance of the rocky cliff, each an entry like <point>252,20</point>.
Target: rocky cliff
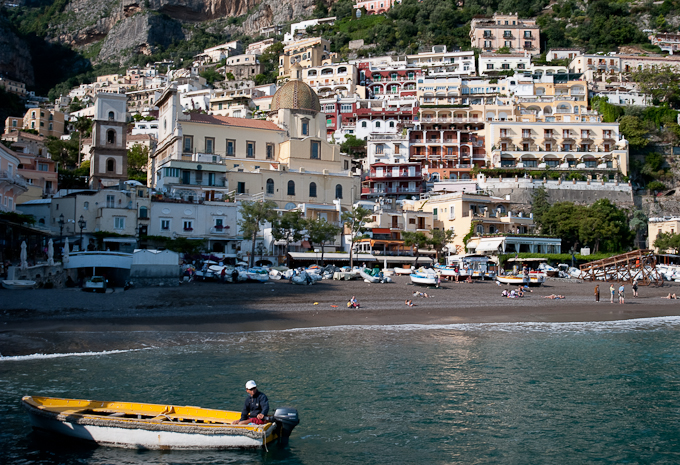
<point>15,58</point>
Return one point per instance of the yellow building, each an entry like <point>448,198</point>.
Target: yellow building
<point>46,122</point>
<point>307,53</point>
<point>656,226</point>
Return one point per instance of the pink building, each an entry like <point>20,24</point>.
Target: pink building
<point>12,185</point>
<point>376,7</point>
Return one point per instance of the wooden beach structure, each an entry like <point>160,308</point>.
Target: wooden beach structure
<point>637,265</point>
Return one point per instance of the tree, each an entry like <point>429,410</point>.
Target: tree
<point>638,225</point>
<point>138,159</point>
<point>662,83</point>
<point>439,238</point>
<point>635,130</point>
<point>668,241</point>
<point>540,204</point>
<point>606,226</point>
<point>353,146</point>
<point>289,227</point>
<point>563,220</point>
<point>418,240</point>
<point>320,231</point>
<point>210,76</point>
<point>64,152</point>
<point>253,215</point>
<point>354,220</point>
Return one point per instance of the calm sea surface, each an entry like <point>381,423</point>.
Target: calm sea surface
<point>504,393</point>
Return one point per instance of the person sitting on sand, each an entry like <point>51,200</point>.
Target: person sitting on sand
<point>520,293</point>
<point>504,293</point>
<point>409,302</point>
<point>353,303</point>
<point>469,279</point>
<point>670,296</point>
<point>512,295</point>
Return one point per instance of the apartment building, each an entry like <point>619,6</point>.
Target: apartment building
<point>611,71</point>
<point>494,63</point>
<point>299,30</point>
<point>307,53</point>
<point>331,79</point>
<point>35,164</point>
<point>220,52</point>
<point>563,54</point>
<point>46,122</point>
<point>390,172</point>
<point>235,102</point>
<point>563,146</point>
<point>243,66</point>
<point>375,7</point>
<point>258,48</point>
<point>12,184</point>
<point>656,226</point>
<point>497,229</point>
<point>441,62</point>
<point>13,86</point>
<point>388,80</point>
<point>500,31</point>
<point>668,42</point>
<point>553,98</point>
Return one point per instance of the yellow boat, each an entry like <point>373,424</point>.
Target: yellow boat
<point>155,426</point>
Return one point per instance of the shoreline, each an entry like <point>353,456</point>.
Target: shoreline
<point>59,321</point>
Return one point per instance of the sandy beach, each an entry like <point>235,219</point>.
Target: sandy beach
<point>69,320</point>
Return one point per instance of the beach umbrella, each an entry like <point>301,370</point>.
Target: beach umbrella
<point>23,256</point>
<point>50,253</point>
<point>65,257</point>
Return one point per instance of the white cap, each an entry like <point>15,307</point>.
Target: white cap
<point>251,384</point>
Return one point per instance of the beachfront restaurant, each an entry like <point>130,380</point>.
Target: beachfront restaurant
<point>496,245</point>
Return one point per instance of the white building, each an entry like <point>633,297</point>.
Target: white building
<point>490,63</point>
<point>298,30</point>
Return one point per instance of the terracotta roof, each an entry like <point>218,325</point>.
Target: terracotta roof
<point>139,137</point>
<point>237,122</point>
<point>86,141</point>
<point>28,135</point>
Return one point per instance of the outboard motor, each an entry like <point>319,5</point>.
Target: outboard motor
<point>286,419</point>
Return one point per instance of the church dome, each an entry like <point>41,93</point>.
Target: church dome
<point>296,95</point>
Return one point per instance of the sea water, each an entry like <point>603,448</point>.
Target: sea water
<point>535,393</point>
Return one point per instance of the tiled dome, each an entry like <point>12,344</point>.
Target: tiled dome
<point>296,95</point>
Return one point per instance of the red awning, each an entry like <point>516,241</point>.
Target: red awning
<point>381,230</point>
<point>306,244</point>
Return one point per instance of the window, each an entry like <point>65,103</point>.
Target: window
<point>377,124</point>
<point>363,124</point>
<point>110,136</point>
<point>188,144</point>
<point>316,150</point>
<point>338,191</point>
<point>231,147</point>
<point>270,151</point>
<point>527,34</point>
<point>211,179</point>
<point>566,134</point>
<point>110,165</point>
<point>270,186</point>
<point>391,124</point>
<point>291,188</point>
<point>505,66</point>
<point>172,172</point>
<point>479,229</point>
<point>379,149</point>
<point>346,108</point>
<point>188,225</point>
<point>346,165</point>
<point>118,222</point>
<point>219,224</point>
<point>43,167</point>
<point>396,149</point>
<point>489,66</point>
<point>241,187</point>
<point>112,116</point>
<point>250,149</point>
<point>312,189</point>
<point>209,145</point>
<point>143,213</point>
<point>110,201</point>
<point>86,205</point>
<point>305,127</point>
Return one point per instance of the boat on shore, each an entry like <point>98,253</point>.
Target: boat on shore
<point>424,276</point>
<point>533,279</point>
<point>154,426</point>
<point>18,284</point>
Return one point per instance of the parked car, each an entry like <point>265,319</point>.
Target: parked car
<point>95,284</point>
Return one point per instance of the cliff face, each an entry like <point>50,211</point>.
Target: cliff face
<point>15,58</point>
<point>140,33</point>
<point>202,10</point>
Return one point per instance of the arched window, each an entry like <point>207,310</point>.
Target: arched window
<point>110,136</point>
<point>338,191</point>
<point>479,229</point>
<point>110,165</point>
<point>312,189</point>
<point>492,229</point>
<point>377,124</point>
<point>291,188</point>
<point>501,209</point>
<point>112,116</point>
<point>270,186</point>
<point>363,124</point>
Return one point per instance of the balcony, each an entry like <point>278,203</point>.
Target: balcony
<point>222,230</point>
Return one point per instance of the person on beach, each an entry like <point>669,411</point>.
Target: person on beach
<point>635,288</point>
<point>420,294</point>
<point>622,297</point>
<point>554,297</point>
<point>612,290</point>
<point>597,293</point>
<point>353,303</point>
<point>670,296</point>
<point>409,302</point>
<point>469,279</point>
<point>457,274</point>
<point>255,407</point>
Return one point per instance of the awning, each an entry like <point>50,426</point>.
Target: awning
<point>489,245</point>
<point>403,259</point>
<point>331,256</point>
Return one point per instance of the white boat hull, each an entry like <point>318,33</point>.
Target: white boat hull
<point>368,278</point>
<point>401,271</point>
<point>18,284</point>
<point>137,438</point>
<point>521,280</point>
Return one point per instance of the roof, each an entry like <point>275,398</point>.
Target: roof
<point>28,135</point>
<point>236,122</point>
<point>37,202</point>
<point>137,137</point>
<point>296,95</point>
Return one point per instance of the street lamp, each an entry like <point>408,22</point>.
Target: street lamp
<point>81,225</point>
<point>61,228</point>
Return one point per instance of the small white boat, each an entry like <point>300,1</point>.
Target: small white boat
<point>367,276</point>
<point>152,426</point>
<point>302,278</point>
<point>534,279</point>
<point>424,276</point>
<point>401,271</point>
<point>18,284</point>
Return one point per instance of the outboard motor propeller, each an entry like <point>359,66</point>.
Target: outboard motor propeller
<point>286,419</point>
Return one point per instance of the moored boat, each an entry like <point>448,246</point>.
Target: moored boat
<point>155,426</point>
<point>18,284</point>
<point>533,279</point>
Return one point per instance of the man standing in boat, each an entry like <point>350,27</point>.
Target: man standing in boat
<point>255,408</point>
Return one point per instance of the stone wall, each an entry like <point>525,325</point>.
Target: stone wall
<point>521,190</point>
<point>43,275</point>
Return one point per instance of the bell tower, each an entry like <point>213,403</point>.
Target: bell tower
<point>108,155</point>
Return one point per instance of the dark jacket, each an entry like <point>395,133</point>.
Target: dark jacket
<point>255,405</point>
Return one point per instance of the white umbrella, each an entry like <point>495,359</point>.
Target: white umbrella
<point>65,256</point>
<point>50,253</point>
<point>23,256</point>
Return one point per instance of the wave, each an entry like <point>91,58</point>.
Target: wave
<point>21,358</point>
